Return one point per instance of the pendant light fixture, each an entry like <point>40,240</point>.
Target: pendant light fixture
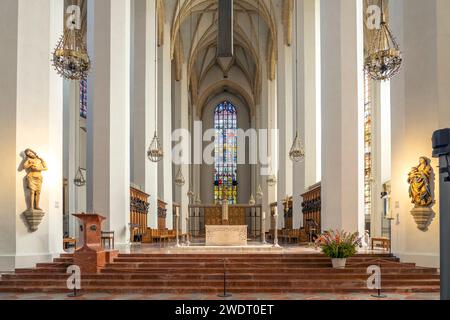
<point>252,201</point>
<point>155,152</point>
<point>179,179</point>
<point>70,57</point>
<point>384,59</point>
<point>80,180</point>
<point>271,179</point>
<point>259,193</point>
<point>297,152</point>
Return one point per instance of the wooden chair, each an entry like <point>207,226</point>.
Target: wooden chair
<point>294,236</point>
<point>69,241</point>
<point>108,236</point>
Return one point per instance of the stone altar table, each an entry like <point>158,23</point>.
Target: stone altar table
<point>226,235</point>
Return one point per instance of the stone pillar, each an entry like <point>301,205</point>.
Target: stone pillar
<point>144,172</point>
<point>342,115</point>
<point>285,96</point>
<point>183,152</point>
<point>308,101</point>
<point>31,98</point>
<point>420,104</point>
<point>109,115</point>
<point>165,179</point>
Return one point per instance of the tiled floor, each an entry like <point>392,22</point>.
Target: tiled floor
<point>257,296</point>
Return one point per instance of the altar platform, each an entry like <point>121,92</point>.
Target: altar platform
<point>200,269</point>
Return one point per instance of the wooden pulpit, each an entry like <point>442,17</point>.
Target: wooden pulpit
<point>92,257</point>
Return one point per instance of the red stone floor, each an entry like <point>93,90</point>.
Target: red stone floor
<point>237,296</point>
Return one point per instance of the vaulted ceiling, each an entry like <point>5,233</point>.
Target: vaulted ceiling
<point>194,42</point>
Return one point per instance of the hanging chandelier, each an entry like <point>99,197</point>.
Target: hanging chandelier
<point>259,193</point>
<point>252,201</point>
<point>297,152</point>
<point>70,58</point>
<point>179,179</point>
<point>271,180</point>
<point>384,59</point>
<point>155,152</point>
<point>80,180</point>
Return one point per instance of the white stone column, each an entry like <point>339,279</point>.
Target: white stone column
<point>342,115</point>
<point>144,172</point>
<point>165,179</point>
<point>285,118</point>
<point>183,152</point>
<point>263,124</point>
<point>109,115</point>
<point>308,101</point>
<point>420,104</point>
<point>31,101</point>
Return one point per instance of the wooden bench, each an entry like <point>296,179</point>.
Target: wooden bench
<point>384,242</point>
<point>158,236</point>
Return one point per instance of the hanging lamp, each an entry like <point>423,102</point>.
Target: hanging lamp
<point>259,192</point>
<point>252,201</point>
<point>70,57</point>
<point>155,152</point>
<point>384,59</point>
<point>271,179</point>
<point>297,152</point>
<point>179,179</point>
<point>79,180</point>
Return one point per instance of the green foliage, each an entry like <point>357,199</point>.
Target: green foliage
<point>338,244</point>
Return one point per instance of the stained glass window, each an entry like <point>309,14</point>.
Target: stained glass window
<point>225,153</point>
<point>368,139</point>
<point>83,98</point>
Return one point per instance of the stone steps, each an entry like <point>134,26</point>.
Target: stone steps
<point>190,273</point>
<point>234,260</point>
<point>238,283</point>
<point>197,289</point>
<point>219,275</point>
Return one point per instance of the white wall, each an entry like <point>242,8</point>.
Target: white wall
<point>31,104</point>
<point>420,105</point>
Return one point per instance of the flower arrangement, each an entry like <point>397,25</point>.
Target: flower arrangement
<point>339,244</point>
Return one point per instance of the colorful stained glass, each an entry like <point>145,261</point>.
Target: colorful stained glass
<point>225,153</point>
<point>368,138</point>
<point>83,98</point>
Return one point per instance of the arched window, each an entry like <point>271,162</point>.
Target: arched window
<point>225,153</point>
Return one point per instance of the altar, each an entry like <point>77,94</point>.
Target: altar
<point>226,235</point>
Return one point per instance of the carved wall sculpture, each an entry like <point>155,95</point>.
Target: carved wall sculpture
<point>421,193</point>
<point>34,166</point>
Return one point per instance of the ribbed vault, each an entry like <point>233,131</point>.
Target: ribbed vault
<point>194,42</point>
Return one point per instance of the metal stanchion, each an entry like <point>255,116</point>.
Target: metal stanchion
<point>188,229</point>
<point>263,228</point>
<point>73,284</point>
<point>379,295</point>
<point>225,294</point>
<point>177,216</point>
<point>275,239</point>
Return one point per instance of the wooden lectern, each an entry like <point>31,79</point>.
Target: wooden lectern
<point>91,257</point>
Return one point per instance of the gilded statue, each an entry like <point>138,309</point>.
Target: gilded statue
<point>419,179</point>
<point>34,167</point>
